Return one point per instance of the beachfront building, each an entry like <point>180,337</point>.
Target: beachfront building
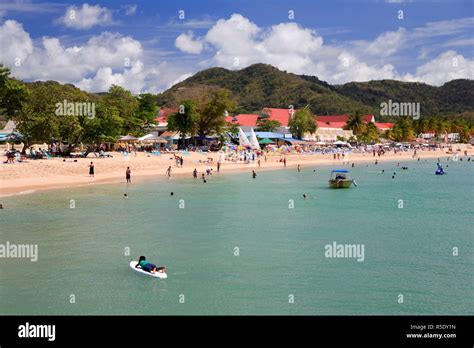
<point>451,137</point>
<point>328,132</point>
<point>245,121</point>
<point>161,120</point>
<point>330,127</point>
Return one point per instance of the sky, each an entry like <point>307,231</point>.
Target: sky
<point>148,46</point>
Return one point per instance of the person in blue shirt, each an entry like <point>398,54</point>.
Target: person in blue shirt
<point>148,266</point>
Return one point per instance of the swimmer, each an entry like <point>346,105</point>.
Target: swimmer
<point>254,175</point>
<point>125,195</point>
<point>172,193</point>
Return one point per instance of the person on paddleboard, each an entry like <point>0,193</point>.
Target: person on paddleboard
<point>148,266</point>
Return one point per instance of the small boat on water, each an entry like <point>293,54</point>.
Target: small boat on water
<point>340,179</point>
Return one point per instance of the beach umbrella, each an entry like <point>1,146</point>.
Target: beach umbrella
<point>128,138</point>
<point>339,142</point>
<point>266,141</point>
<point>153,138</point>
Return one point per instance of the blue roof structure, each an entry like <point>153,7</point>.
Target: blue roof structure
<point>270,135</point>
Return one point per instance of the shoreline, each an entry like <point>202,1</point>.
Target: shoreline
<point>41,175</point>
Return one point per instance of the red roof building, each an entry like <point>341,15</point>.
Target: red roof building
<point>280,115</point>
<point>246,120</point>
<point>164,113</point>
<point>321,124</point>
<point>383,126</point>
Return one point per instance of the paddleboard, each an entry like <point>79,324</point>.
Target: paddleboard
<point>160,275</point>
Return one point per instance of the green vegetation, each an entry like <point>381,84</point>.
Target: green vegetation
<point>211,94</point>
<point>12,94</point>
<point>302,122</point>
<point>184,121</point>
<point>35,108</point>
<point>265,125</point>
<point>212,113</point>
<point>261,85</point>
<point>355,122</point>
<point>370,134</point>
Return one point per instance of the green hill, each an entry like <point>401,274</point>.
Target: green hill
<point>261,85</point>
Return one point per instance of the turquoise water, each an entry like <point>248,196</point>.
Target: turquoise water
<point>281,251</point>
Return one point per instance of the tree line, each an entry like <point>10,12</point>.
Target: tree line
<point>202,113</point>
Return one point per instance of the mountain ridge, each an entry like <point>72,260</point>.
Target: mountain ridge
<point>262,85</point>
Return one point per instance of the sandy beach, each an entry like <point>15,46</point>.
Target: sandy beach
<point>22,178</point>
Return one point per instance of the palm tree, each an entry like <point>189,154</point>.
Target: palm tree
<point>356,123</point>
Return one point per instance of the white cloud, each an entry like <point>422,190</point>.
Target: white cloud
<point>387,43</point>
<point>28,6</point>
<point>186,43</point>
<point>291,47</point>
<point>288,46</point>
<point>130,9</point>
<point>234,38</point>
<point>446,67</point>
<point>86,17</point>
<point>16,43</point>
<point>179,79</point>
<point>233,43</point>
<point>95,65</point>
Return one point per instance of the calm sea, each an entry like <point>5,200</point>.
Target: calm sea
<point>242,246</point>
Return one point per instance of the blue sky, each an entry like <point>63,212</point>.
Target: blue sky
<point>145,46</point>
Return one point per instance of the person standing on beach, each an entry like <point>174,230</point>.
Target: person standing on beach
<point>218,166</point>
<point>299,169</point>
<point>258,163</point>
<point>91,169</point>
<point>128,174</point>
<point>168,172</point>
<point>181,161</point>
<point>284,161</point>
<point>195,173</point>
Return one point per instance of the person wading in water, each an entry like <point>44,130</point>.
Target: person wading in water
<point>128,175</point>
